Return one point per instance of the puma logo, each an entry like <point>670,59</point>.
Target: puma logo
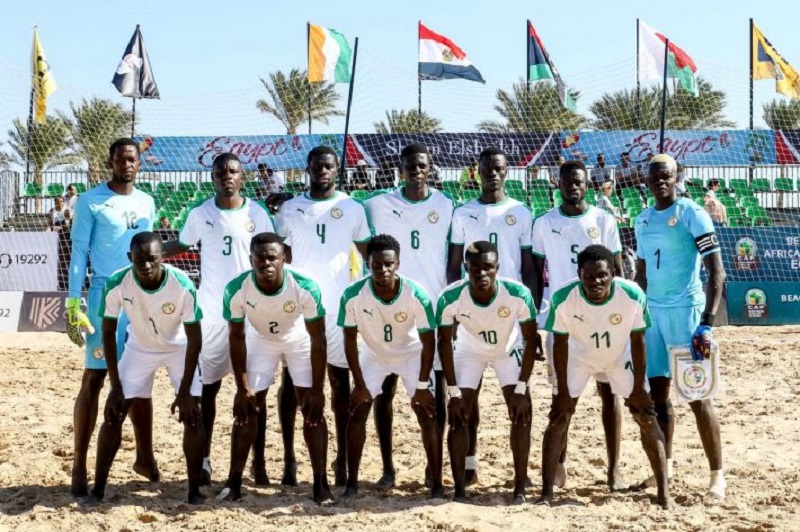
<point>209,222</point>
<point>465,316</point>
<point>251,305</point>
<point>644,222</point>
<point>399,214</point>
<point>578,318</point>
<point>301,211</point>
<point>473,217</point>
<point>556,231</point>
<point>128,299</point>
<point>368,312</point>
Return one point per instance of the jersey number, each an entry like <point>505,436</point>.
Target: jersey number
<point>493,238</point>
<point>415,239</point>
<point>490,337</point>
<point>574,249</point>
<point>597,337</point>
<point>228,241</point>
<point>273,327</point>
<point>658,259</point>
<point>130,220</point>
<point>387,332</point>
<point>321,233</point>
<point>517,354</point>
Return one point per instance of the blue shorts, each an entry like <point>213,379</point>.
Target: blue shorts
<point>94,342</point>
<point>671,326</point>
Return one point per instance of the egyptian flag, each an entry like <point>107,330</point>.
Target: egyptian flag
<point>651,60</point>
<point>440,58</point>
<point>540,67</point>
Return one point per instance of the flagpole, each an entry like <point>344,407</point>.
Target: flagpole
<point>663,98</point>
<point>30,119</point>
<point>419,80</point>
<point>528,61</point>
<point>343,174</point>
<point>638,84</point>
<point>133,119</point>
<point>308,81</point>
<point>751,74</point>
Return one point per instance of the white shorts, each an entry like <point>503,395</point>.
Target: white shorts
<point>375,370</point>
<point>215,357</point>
<point>620,376</point>
<point>335,337</point>
<point>551,369</point>
<point>263,361</point>
<point>137,370</point>
<point>470,367</point>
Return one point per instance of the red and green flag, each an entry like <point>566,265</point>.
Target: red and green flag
<point>651,60</point>
<point>541,67</point>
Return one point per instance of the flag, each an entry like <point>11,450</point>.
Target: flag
<point>769,64</point>
<point>329,55</point>
<point>651,60</point>
<point>540,66</point>
<point>134,77</point>
<point>440,58</point>
<point>44,84</point>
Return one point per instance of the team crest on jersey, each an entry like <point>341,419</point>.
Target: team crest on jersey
<point>504,312</point>
<point>615,319</point>
<point>336,213</point>
<point>511,219</point>
<point>289,307</point>
<point>168,308</point>
<point>97,353</point>
<point>673,221</point>
<point>433,217</point>
<point>250,225</point>
<point>401,316</point>
<point>593,232</point>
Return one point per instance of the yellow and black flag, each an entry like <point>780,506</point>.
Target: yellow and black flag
<point>769,64</point>
<point>44,84</point>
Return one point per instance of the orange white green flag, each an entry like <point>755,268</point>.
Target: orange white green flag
<point>329,55</point>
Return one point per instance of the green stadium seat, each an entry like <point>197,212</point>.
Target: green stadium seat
<point>164,187</point>
<point>651,201</point>
<point>33,190</point>
<point>762,221</point>
<point>590,198</point>
<point>519,195</point>
<point>360,195</point>
<point>540,194</point>
<point>760,185</point>
<point>294,187</point>
<point>451,187</point>
<point>630,192</point>
<point>513,184</point>
<point>558,202</point>
<point>632,203</point>
<point>79,187</point>
<point>539,183</point>
<point>54,189</point>
<point>755,211</point>
<point>633,212</point>
<point>207,187</point>
<point>740,187</point>
<point>747,201</point>
<point>470,194</point>
<point>146,187</point>
<point>540,204</point>
<point>784,184</point>
<point>738,221</point>
<point>728,201</point>
<point>187,186</point>
<point>734,210</point>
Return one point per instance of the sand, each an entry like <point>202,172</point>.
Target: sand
<point>40,374</point>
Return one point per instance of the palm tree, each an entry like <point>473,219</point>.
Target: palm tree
<point>97,124</point>
<point>289,99</point>
<point>782,114</point>
<point>532,109</point>
<point>45,146</point>
<point>617,110</point>
<point>410,121</point>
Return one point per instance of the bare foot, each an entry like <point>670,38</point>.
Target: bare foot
<point>667,503</point>
<point>471,476</point>
<point>80,485</point>
<point>289,473</point>
<point>259,474</point>
<point>615,481</point>
<point>437,492</point>
<point>325,498</point>
<point>148,471</point>
<point>387,480</point>
<point>196,498</point>
<point>545,500</point>
<point>350,491</point>
<point>560,480</point>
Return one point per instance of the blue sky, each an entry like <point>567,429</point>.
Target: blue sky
<point>207,57</point>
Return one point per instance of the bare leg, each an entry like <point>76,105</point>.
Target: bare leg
<point>552,446</point>
<point>339,379</point>
<point>384,417</point>
<point>287,413</point>
<point>471,475</point>
<point>612,427</point>
<point>431,438</point>
<point>317,443</point>
<point>141,415</point>
<point>356,435</point>
<point>242,438</point>
<point>457,445</point>
<point>520,440</point>
<point>209,410</point>
<point>108,442</point>
<point>193,441</point>
<point>659,391</point>
<point>84,419</point>
<point>258,466</point>
<point>655,447</point>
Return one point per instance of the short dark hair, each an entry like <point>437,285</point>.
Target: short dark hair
<point>144,238</point>
<point>380,243</point>
<point>491,151</point>
<point>124,141</point>
<point>570,166</point>
<point>479,248</point>
<point>713,182</point>
<point>265,238</point>
<point>595,253</point>
<point>321,150</point>
<point>223,158</point>
<point>416,148</point>
<point>262,166</point>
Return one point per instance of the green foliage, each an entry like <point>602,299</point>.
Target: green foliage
<point>782,114</point>
<point>410,121</point>
<point>45,146</point>
<point>534,109</point>
<point>289,99</point>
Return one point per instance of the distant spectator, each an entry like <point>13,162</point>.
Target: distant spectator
<point>626,173</point>
<point>715,209</point>
<point>680,186</point>
<point>554,172</point>
<point>628,263</point>
<point>71,197</point>
<point>644,167</point>
<point>531,177</point>
<point>268,181</point>
<point>434,179</point>
<point>714,186</point>
<point>274,201</point>
<point>164,223</point>
<point>600,173</point>
<point>470,177</point>
<point>359,180</point>
<point>59,216</point>
<point>604,199</point>
<point>384,177</point>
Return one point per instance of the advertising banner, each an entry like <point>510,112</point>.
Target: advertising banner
<point>28,261</point>
<point>763,303</point>
<point>761,253</point>
<point>43,311</point>
<point>10,304</point>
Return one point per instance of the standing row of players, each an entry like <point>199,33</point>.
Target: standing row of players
<point>318,230</point>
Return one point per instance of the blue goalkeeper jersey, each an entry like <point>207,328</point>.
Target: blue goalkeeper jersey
<point>672,243</point>
<point>103,225</point>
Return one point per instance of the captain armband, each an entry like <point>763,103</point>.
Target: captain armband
<point>707,243</point>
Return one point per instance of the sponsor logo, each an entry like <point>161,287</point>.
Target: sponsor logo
<point>556,231</point>
<point>289,307</point>
<point>580,318</point>
<point>593,232</point>
<point>211,223</point>
<point>97,353</point>
<point>401,316</point>
<point>465,316</point>
<point>44,311</point>
<point>673,221</point>
<point>368,312</point>
<point>251,305</point>
<point>433,217</point>
<point>473,217</point>
<point>168,308</point>
<point>615,319</point>
<point>397,213</point>
<point>511,219</point>
<point>301,211</point>
<point>746,254</point>
<point>504,312</point>
<point>755,303</point>
<point>694,377</point>
<point>128,299</point>
<point>336,213</point>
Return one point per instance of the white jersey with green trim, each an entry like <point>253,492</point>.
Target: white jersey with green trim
<point>279,318</point>
<point>423,230</point>
<point>321,233</point>
<point>489,329</point>
<point>155,318</point>
<point>390,330</point>
<point>559,238</point>
<point>506,224</point>
<point>224,235</point>
<point>598,333</point>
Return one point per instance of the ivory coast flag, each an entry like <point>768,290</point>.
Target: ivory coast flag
<point>651,60</point>
<point>44,84</point>
<point>329,55</point>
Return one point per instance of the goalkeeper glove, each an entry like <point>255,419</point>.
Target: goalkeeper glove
<point>701,343</point>
<point>76,319</point>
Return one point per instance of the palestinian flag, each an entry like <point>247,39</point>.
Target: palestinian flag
<point>440,58</point>
<point>540,67</point>
<point>651,60</point>
<point>329,55</point>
